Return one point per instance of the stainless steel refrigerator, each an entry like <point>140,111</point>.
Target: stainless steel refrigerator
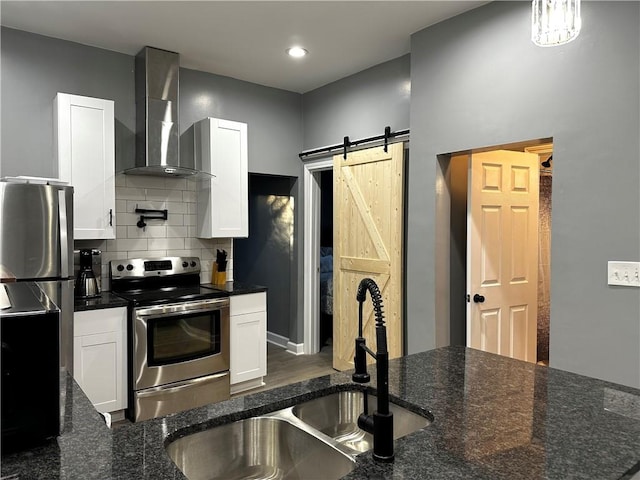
<point>36,244</point>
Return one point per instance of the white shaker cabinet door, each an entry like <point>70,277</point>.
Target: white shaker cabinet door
<point>100,358</point>
<point>85,148</point>
<point>221,151</point>
<point>248,340</point>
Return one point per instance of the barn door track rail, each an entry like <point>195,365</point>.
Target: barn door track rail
<point>347,143</point>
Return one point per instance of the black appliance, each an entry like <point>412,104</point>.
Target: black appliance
<point>30,333</point>
<point>86,282</point>
<point>178,335</point>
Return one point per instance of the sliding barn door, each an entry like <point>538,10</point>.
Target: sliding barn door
<point>368,233</point>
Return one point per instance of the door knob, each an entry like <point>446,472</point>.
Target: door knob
<point>478,298</point>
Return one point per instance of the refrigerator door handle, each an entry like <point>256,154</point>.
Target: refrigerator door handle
<point>64,238</point>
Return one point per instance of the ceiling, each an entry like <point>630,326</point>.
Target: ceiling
<point>245,40</point>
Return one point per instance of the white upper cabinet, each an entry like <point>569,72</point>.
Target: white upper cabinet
<point>85,148</point>
<point>221,150</point>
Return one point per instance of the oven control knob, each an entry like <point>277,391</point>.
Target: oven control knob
<point>129,267</point>
<point>120,267</point>
<point>193,264</point>
<point>185,264</point>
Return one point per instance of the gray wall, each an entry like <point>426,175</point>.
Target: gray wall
<point>266,256</point>
<point>274,117</point>
<point>359,106</point>
<point>34,68</point>
<point>477,80</point>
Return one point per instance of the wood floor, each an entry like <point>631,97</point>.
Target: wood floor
<point>284,368</point>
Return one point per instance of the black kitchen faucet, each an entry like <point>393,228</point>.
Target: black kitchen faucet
<point>380,424</point>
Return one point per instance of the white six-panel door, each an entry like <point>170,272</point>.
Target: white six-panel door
<point>502,253</point>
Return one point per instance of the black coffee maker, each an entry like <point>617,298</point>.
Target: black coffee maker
<point>86,282</point>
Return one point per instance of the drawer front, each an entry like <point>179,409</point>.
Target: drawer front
<point>180,396</point>
<point>249,303</point>
<point>99,321</point>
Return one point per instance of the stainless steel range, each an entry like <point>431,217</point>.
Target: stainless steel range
<point>178,335</point>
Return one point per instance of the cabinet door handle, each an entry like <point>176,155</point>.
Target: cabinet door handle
<point>111,217</point>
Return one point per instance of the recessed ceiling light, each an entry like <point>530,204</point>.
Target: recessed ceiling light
<point>297,52</point>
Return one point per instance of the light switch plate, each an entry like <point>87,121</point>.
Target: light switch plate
<point>626,274</point>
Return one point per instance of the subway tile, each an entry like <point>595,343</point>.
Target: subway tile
<point>140,181</point>
<point>180,253</point>
<point>155,253</point>
<point>190,242</point>
<point>192,185</point>
<point>121,180</point>
<point>191,208</point>
<point>176,207</point>
<point>128,193</point>
<point>175,183</point>
<point>190,220</point>
<point>109,256</point>
<point>132,244</point>
<point>175,219</point>
<point>189,196</point>
<point>207,254</point>
<point>127,219</point>
<point>121,231</point>
<point>121,206</point>
<point>174,231</point>
<point>166,243</point>
<point>150,231</point>
<point>164,195</point>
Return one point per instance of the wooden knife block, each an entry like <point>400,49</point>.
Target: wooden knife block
<point>218,278</point>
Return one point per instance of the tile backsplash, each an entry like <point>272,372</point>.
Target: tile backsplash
<point>175,236</point>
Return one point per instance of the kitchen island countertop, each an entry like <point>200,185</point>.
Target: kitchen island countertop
<point>494,418</point>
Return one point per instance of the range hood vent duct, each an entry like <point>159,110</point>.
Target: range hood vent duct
<point>157,130</point>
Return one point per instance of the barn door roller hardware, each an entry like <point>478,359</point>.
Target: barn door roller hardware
<point>346,143</point>
<point>155,215</point>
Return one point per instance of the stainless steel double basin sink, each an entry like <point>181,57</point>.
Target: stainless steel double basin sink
<point>315,439</point>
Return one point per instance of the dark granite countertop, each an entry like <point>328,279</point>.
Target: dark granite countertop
<point>236,288</point>
<point>111,300</point>
<point>105,300</point>
<point>494,418</point>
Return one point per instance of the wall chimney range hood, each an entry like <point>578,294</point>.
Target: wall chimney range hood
<point>157,130</point>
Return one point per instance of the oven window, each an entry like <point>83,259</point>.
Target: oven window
<point>183,337</point>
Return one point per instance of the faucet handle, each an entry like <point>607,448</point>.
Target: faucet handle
<point>360,362</point>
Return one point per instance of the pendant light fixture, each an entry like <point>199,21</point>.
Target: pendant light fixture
<point>554,22</point>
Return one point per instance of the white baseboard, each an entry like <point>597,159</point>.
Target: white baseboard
<point>293,348</point>
<point>277,339</point>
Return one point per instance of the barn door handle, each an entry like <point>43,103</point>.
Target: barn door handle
<point>478,298</point>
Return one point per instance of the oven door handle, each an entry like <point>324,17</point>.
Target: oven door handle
<point>178,386</point>
<point>157,312</point>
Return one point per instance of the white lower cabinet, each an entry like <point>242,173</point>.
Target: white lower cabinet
<point>100,357</point>
<point>248,341</point>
